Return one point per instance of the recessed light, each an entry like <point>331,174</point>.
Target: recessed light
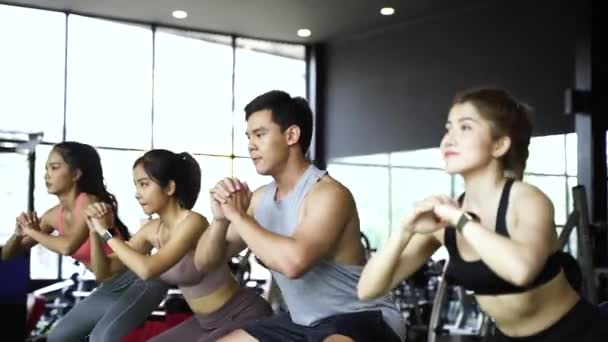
<point>179,14</point>
<point>387,11</point>
<point>304,33</point>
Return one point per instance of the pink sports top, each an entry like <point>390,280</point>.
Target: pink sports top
<point>83,254</point>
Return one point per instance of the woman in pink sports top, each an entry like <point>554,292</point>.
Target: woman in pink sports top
<point>168,184</point>
<point>74,174</point>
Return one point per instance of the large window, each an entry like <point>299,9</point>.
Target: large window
<point>128,88</point>
<point>193,92</point>
<point>385,186</point>
<point>371,197</point>
<point>109,83</point>
<point>32,65</point>
<point>402,178</point>
<point>260,67</point>
<point>14,169</point>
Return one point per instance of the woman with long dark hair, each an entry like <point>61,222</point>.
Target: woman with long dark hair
<point>122,301</point>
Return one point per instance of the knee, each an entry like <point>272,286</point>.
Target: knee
<point>111,333</point>
<point>338,338</point>
<point>237,336</point>
<point>63,333</point>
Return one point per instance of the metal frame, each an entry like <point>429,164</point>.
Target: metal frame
<point>153,27</point>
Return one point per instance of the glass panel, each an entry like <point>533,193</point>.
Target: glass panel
<point>32,64</point>
<point>44,264</point>
<point>14,186</point>
<point>372,198</point>
<point>571,154</point>
<point>118,173</point>
<point>213,169</point>
<point>42,200</point>
<point>458,186</point>
<point>244,170</point>
<point>381,159</point>
<point>260,67</point>
<point>430,157</point>
<point>109,89</point>
<point>411,185</point>
<point>555,188</point>
<point>193,92</point>
<point>547,155</point>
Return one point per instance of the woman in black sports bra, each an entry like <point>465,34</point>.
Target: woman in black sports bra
<point>501,237</point>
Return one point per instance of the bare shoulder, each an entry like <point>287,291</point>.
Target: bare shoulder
<point>255,198</point>
<point>329,190</point>
<point>50,216</point>
<point>149,229</point>
<point>525,196</point>
<point>530,206</point>
<point>197,219</point>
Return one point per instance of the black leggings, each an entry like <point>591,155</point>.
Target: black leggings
<point>583,323</point>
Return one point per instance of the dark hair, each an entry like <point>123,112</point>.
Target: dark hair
<point>507,117</point>
<point>286,111</point>
<point>86,159</point>
<point>163,166</point>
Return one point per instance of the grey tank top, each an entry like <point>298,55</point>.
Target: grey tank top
<point>328,288</point>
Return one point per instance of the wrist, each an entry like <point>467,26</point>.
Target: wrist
<point>406,234</point>
<point>239,218</point>
<point>105,235</point>
<point>456,217</point>
<point>221,221</point>
<point>461,221</point>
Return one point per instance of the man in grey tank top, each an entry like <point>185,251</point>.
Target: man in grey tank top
<point>304,227</point>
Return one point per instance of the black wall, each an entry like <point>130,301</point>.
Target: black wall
<point>390,90</point>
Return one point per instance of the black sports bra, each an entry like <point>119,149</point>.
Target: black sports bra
<point>476,276</point>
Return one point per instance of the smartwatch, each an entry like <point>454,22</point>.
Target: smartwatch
<point>106,235</point>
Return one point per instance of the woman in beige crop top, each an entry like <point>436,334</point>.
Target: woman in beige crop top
<point>75,176</point>
<point>168,184</point>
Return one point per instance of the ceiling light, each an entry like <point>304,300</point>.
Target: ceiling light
<point>179,14</point>
<point>387,11</point>
<point>304,33</point>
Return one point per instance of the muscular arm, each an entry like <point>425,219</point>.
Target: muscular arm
<point>327,209</point>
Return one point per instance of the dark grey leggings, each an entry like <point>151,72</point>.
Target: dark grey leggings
<point>244,307</point>
<point>112,311</point>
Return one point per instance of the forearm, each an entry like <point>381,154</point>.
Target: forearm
<point>378,275</point>
<point>211,249</point>
<point>507,258</point>
<point>277,252</point>
<point>12,248</point>
<point>137,262</point>
<point>57,244</point>
<point>100,263</point>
